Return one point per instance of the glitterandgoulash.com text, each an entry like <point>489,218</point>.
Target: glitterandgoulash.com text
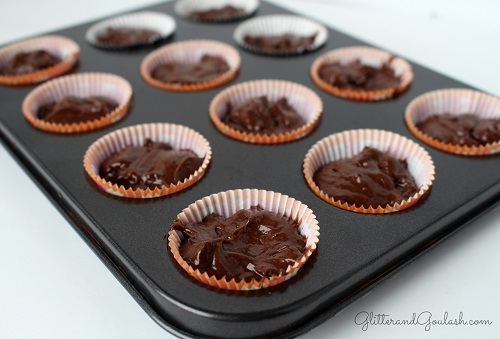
<point>425,319</point>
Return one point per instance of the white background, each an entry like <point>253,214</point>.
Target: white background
<point>53,286</point>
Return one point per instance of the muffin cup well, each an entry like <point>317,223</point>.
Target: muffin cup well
<point>369,56</point>
<point>78,85</point>
<point>228,203</point>
<point>307,104</point>
<point>191,51</point>
<point>272,25</point>
<point>178,136</point>
<point>184,8</point>
<point>454,101</point>
<point>65,49</point>
<point>159,22</point>
<point>350,143</point>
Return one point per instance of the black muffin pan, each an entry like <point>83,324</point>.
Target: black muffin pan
<point>355,252</point>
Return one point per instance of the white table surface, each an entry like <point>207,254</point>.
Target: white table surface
<point>53,286</point>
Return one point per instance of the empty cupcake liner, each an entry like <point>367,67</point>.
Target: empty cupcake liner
<point>273,25</point>
<point>369,56</point>
<point>454,101</point>
<point>191,51</point>
<point>228,203</point>
<point>65,49</point>
<point>78,85</point>
<point>350,143</point>
<point>184,8</point>
<point>162,23</point>
<point>307,104</point>
<point>178,136</point>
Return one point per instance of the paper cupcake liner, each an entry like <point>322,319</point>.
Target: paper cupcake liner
<point>191,51</point>
<point>350,143</point>
<point>184,8</point>
<point>65,49</point>
<point>272,25</point>
<point>369,56</point>
<point>228,203</point>
<point>79,85</point>
<point>159,22</point>
<point>307,104</point>
<point>454,101</point>
<point>178,136</point>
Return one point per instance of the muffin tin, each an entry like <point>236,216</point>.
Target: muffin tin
<point>356,251</point>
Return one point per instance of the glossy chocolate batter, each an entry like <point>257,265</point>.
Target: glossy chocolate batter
<point>251,243</point>
<point>74,110</point>
<point>225,13</point>
<point>286,43</point>
<point>356,76</point>
<point>465,129</point>
<point>209,68</point>
<point>27,62</point>
<point>123,36</point>
<point>370,178</point>
<point>258,115</point>
<point>153,165</point>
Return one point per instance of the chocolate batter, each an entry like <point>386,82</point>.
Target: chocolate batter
<point>74,110</point>
<point>28,62</point>
<point>356,76</point>
<point>258,115</point>
<point>370,178</point>
<point>225,13</point>
<point>465,129</point>
<point>251,243</point>
<point>123,36</point>
<point>209,67</point>
<point>153,165</point>
<point>286,43</point>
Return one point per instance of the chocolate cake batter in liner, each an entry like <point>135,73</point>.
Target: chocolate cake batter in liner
<point>228,203</point>
<point>64,49</point>
<point>177,136</point>
<point>159,26</point>
<point>82,85</point>
<point>306,103</point>
<point>219,12</point>
<point>367,56</point>
<point>312,35</point>
<point>352,142</point>
<point>191,52</point>
<point>455,102</point>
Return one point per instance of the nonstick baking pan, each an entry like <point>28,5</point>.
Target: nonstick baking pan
<point>355,252</point>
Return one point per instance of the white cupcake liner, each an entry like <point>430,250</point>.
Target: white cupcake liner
<point>228,203</point>
<point>191,51</point>
<point>272,25</point>
<point>184,8</point>
<point>350,143</point>
<point>305,102</point>
<point>65,49</point>
<point>454,101</point>
<point>79,85</point>
<point>162,23</point>
<point>368,56</point>
<point>178,136</point>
